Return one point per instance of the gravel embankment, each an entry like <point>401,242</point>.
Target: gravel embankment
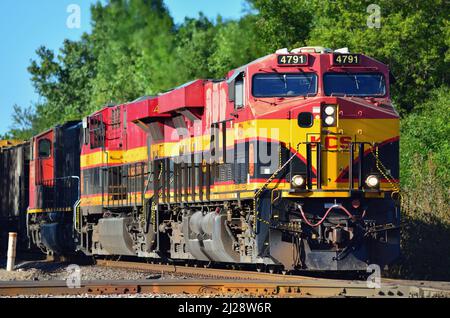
<point>44,271</point>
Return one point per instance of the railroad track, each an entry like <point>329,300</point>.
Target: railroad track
<point>195,287</point>
<point>311,288</point>
<point>215,273</point>
<point>293,285</point>
<point>225,283</point>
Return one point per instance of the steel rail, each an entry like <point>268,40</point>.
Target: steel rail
<point>303,288</point>
<point>221,282</point>
<point>298,285</point>
<point>200,271</point>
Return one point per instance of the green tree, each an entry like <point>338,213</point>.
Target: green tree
<point>26,122</point>
<point>133,42</point>
<point>195,45</point>
<point>411,40</point>
<point>237,43</point>
<point>64,84</point>
<point>209,50</point>
<point>424,133</point>
<point>425,178</point>
<point>283,23</point>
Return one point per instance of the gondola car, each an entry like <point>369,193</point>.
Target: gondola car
<point>14,176</point>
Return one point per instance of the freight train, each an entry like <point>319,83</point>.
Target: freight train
<point>291,161</point>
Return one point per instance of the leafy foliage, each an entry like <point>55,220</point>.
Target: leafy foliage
<point>65,84</point>
<point>413,38</point>
<point>195,45</point>
<point>135,57</point>
<point>27,123</point>
<point>146,53</point>
<point>425,133</point>
<point>426,224</point>
<point>237,44</point>
<point>425,158</point>
<point>284,23</point>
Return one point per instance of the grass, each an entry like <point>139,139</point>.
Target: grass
<point>425,237</point>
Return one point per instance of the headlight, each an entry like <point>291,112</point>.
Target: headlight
<point>372,181</point>
<point>329,120</point>
<point>330,110</point>
<point>298,181</point>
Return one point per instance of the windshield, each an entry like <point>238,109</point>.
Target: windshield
<point>284,85</point>
<point>353,84</point>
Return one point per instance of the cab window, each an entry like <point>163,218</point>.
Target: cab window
<point>284,84</point>
<point>354,84</point>
<point>44,148</point>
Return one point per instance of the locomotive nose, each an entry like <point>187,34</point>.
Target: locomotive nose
<point>335,138</point>
<point>349,147</point>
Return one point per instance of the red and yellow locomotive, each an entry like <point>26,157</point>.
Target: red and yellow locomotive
<point>291,161</point>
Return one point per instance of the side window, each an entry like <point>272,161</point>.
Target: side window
<point>236,91</point>
<point>85,131</point>
<point>44,148</point>
<point>239,93</point>
<point>214,141</point>
<point>96,132</point>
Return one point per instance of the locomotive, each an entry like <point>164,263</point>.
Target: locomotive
<point>291,161</point>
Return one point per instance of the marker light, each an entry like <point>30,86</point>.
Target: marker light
<point>298,181</point>
<point>330,110</point>
<point>372,181</point>
<point>329,120</point>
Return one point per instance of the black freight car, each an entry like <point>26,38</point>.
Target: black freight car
<point>14,181</point>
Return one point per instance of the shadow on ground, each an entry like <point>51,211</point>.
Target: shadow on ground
<point>425,250</point>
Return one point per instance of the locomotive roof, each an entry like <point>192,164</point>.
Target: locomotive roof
<point>66,124</point>
<point>316,51</point>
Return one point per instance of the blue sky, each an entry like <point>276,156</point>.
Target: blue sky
<point>27,24</point>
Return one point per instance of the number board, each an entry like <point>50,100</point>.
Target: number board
<point>293,59</point>
<point>346,59</point>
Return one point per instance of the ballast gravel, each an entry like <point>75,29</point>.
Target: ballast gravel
<point>53,271</point>
<point>45,271</point>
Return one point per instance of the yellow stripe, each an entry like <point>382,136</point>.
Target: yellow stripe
<point>114,157</point>
<point>247,191</point>
<point>286,131</point>
<point>49,210</point>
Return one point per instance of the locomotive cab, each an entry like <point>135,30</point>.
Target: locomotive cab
<point>54,188</point>
<point>327,122</point>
